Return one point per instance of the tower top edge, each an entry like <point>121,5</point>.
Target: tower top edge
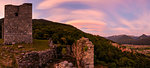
<point>29,4</point>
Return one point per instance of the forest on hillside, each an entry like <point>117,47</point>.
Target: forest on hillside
<point>105,53</point>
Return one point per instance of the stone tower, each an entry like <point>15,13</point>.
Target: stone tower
<point>17,26</point>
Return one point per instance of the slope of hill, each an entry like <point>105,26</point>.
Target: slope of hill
<point>143,36</point>
<point>105,53</point>
<point>120,38</point>
<point>125,39</point>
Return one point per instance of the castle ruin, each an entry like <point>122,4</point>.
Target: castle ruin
<point>17,26</point>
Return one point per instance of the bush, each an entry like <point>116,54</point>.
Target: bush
<point>63,51</point>
<point>85,48</point>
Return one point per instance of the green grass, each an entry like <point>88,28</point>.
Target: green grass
<point>38,45</point>
<point>1,41</point>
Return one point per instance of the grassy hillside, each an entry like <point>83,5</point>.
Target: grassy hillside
<point>105,53</point>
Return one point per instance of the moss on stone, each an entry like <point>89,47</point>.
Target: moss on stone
<point>85,48</point>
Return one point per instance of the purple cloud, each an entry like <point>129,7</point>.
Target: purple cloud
<point>118,16</point>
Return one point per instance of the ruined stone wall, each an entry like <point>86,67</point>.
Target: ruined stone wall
<point>83,51</point>
<point>18,24</point>
<point>36,59</point>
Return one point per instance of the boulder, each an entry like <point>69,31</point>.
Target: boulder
<point>64,64</point>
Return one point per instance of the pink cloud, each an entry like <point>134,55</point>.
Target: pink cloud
<point>91,26</point>
<point>134,27</point>
<point>90,14</point>
<point>35,15</point>
<point>60,14</point>
<point>91,19</point>
<point>4,2</point>
<point>52,3</point>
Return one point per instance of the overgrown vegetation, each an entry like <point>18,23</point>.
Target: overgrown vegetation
<point>10,52</point>
<point>105,53</point>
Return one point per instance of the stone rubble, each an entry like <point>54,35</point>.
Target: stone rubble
<point>64,64</point>
<point>36,59</point>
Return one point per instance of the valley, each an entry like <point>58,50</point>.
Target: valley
<point>144,49</point>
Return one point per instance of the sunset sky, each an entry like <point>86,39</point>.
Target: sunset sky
<point>100,17</point>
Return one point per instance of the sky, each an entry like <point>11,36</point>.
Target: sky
<point>98,17</point>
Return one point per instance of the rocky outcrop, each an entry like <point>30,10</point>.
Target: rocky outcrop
<point>64,64</point>
<point>83,51</point>
<point>36,59</point>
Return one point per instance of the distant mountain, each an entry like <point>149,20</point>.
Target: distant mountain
<point>126,39</point>
<point>120,38</point>
<point>143,36</point>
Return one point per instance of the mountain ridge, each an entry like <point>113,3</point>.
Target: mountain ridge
<point>135,40</point>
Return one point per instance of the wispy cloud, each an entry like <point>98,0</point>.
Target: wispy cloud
<point>100,17</point>
<point>64,15</point>
<point>90,26</point>
<point>46,4</point>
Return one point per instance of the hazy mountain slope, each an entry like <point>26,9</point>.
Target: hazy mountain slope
<point>120,38</point>
<point>143,36</point>
<point>105,53</point>
<point>125,39</point>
